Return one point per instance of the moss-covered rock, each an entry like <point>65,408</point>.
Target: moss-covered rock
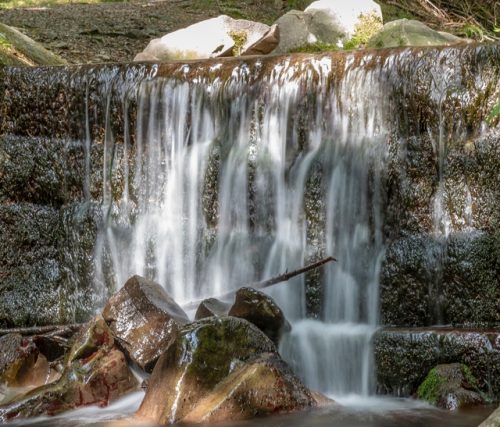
<point>404,32</point>
<point>260,387</point>
<point>404,356</point>
<point>426,280</point>
<point>450,386</point>
<point>204,353</point>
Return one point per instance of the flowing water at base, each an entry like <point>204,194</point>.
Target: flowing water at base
<point>355,411</point>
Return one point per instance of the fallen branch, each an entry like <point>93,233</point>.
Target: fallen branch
<point>41,330</point>
<point>269,282</point>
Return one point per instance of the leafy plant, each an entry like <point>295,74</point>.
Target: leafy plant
<point>365,29</point>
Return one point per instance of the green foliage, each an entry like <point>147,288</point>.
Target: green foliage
<point>297,4</point>
<point>315,48</point>
<point>391,12</point>
<point>365,29</point>
<point>469,377</point>
<point>472,31</point>
<point>494,115</point>
<point>429,389</point>
<point>239,38</point>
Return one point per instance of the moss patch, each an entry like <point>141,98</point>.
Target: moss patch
<point>429,389</point>
<point>315,47</point>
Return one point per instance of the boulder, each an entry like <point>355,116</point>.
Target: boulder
<point>24,365</point>
<point>95,372</point>
<point>261,310</point>
<point>266,44</point>
<point>204,354</point>
<point>259,387</point>
<point>18,49</point>
<point>450,386</point>
<point>403,356</point>
<point>211,307</point>
<point>17,357</point>
<point>144,319</point>
<point>405,32</point>
<point>294,31</point>
<point>221,36</point>
<point>335,19</point>
<point>493,420</point>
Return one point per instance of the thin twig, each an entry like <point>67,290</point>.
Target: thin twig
<point>40,330</point>
<point>268,282</point>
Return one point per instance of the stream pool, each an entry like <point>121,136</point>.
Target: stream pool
<point>354,411</point>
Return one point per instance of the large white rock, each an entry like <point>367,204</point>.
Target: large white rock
<point>294,31</point>
<point>211,38</point>
<point>344,15</point>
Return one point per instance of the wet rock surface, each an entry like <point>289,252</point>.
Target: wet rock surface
<point>261,310</point>
<point>17,357</point>
<point>204,354</point>
<point>212,307</point>
<point>95,372</point>
<point>144,319</point>
<point>451,387</point>
<point>260,387</point>
<point>403,357</point>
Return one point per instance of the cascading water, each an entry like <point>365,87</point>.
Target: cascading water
<point>215,198</point>
<point>237,171</point>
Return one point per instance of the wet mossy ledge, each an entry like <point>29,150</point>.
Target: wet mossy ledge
<point>54,144</point>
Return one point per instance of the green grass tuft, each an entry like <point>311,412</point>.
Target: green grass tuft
<point>315,48</point>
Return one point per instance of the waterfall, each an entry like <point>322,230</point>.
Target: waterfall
<point>236,171</point>
<point>215,198</point>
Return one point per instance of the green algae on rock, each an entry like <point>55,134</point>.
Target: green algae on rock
<point>204,353</point>
<point>404,32</point>
<point>450,386</point>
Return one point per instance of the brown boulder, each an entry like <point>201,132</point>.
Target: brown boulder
<point>144,319</point>
<point>204,353</point>
<point>24,365</point>
<point>266,44</point>
<point>211,307</point>
<point>261,310</point>
<point>264,386</point>
<point>17,356</point>
<point>96,372</point>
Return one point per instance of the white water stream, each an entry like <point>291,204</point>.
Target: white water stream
<point>215,199</point>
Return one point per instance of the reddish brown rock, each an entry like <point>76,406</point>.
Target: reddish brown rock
<point>17,356</point>
<point>96,372</point>
<point>264,386</point>
<point>144,319</point>
<point>203,355</point>
<point>261,310</point>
